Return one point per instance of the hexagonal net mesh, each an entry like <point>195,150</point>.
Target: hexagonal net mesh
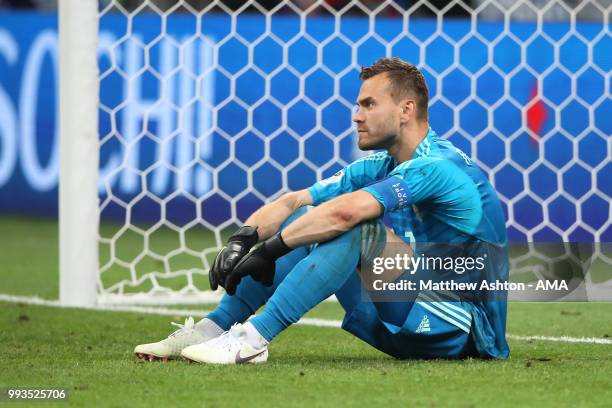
<point>208,109</point>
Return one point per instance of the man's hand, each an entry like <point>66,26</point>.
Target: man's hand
<point>238,245</point>
<point>260,263</point>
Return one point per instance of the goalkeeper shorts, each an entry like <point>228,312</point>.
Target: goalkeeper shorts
<point>423,334</point>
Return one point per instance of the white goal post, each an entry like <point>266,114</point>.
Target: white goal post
<point>179,118</point>
<point>79,150</point>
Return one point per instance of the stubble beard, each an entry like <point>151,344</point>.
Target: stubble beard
<point>379,143</point>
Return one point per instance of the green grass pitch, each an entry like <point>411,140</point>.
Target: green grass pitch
<point>90,353</point>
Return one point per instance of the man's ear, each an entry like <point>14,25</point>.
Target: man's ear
<point>408,110</point>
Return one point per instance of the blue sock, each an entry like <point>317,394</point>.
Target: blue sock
<point>251,295</point>
<point>322,273</point>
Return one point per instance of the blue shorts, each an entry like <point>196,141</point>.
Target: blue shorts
<point>423,335</point>
<point>430,327</point>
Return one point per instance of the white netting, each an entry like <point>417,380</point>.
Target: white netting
<point>210,108</point>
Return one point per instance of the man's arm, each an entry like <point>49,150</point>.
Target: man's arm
<point>331,219</point>
<point>269,218</point>
<point>323,223</point>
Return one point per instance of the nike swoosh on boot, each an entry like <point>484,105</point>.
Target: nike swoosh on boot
<point>241,360</point>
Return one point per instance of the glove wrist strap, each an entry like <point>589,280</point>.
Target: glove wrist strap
<point>276,247</point>
<point>246,235</point>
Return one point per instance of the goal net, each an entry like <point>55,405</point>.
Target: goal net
<point>209,109</point>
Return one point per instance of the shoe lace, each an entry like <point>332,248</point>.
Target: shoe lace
<point>183,328</point>
<point>231,337</point>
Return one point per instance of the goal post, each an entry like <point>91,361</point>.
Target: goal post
<point>79,152</point>
<point>180,118</point>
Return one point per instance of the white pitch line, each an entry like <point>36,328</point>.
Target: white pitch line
<point>147,310</point>
<point>562,339</point>
<point>304,321</point>
<point>34,300</point>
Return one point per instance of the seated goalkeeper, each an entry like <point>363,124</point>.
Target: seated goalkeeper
<point>298,250</point>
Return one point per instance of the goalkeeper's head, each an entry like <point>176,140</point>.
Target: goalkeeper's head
<point>393,97</point>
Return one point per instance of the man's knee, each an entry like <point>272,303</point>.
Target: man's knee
<point>378,243</point>
<point>368,239</point>
<point>373,239</point>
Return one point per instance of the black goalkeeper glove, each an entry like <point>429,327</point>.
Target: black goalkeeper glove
<point>238,245</point>
<point>259,263</point>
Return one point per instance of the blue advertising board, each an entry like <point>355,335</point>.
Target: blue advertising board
<point>214,121</point>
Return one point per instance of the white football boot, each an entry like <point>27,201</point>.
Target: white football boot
<point>171,347</point>
<point>229,348</point>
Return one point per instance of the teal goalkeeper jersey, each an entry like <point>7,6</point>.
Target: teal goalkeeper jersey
<point>440,196</point>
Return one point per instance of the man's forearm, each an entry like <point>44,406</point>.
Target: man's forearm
<point>269,218</point>
<point>323,223</point>
<point>331,219</point>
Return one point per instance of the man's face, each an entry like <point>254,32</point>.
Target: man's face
<point>378,116</point>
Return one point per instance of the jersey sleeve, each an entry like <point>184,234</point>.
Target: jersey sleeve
<point>352,178</point>
<point>418,180</point>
